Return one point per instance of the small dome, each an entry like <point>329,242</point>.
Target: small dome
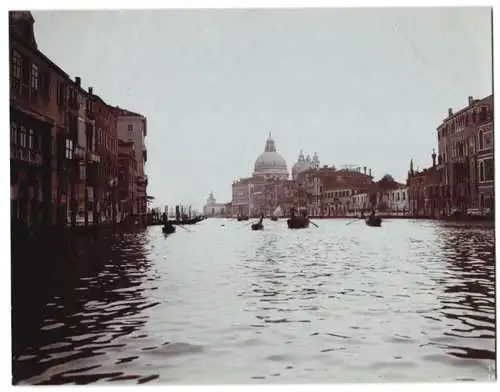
<point>302,164</point>
<point>270,163</point>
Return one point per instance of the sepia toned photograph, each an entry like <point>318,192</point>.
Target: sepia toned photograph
<point>208,196</point>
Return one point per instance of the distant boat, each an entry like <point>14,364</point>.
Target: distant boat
<point>374,221</point>
<point>242,218</point>
<point>298,222</point>
<point>168,228</point>
<point>257,226</point>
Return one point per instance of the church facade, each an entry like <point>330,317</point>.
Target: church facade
<point>270,185</point>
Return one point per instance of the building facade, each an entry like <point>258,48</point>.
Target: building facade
<point>132,127</point>
<point>214,209</point>
<point>466,156</point>
<point>63,143</point>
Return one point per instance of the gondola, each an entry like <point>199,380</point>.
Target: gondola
<point>274,218</point>
<point>242,218</point>
<point>375,221</point>
<point>257,226</point>
<point>168,229</point>
<point>298,222</point>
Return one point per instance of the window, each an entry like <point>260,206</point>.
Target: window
<point>13,133</point>
<point>130,128</point>
<point>404,195</point>
<point>16,67</point>
<point>69,149</point>
<point>23,136</point>
<point>35,83</point>
<point>481,140</point>
<point>488,169</point>
<point>31,139</point>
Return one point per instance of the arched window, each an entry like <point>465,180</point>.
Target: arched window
<point>481,201</point>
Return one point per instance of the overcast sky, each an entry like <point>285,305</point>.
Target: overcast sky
<point>358,86</point>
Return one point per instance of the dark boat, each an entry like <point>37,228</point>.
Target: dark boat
<point>168,228</point>
<point>257,226</point>
<point>374,221</point>
<point>242,218</point>
<point>274,218</point>
<point>298,222</point>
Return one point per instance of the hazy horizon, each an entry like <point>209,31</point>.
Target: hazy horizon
<point>364,86</point>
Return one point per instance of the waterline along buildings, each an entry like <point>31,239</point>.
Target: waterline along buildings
<point>459,180</point>
<point>75,160</point>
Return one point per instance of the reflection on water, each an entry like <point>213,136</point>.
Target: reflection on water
<point>411,301</point>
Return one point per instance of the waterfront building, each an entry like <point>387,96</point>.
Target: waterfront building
<point>397,201</point>
<point>428,197</point>
<point>328,191</point>
<point>214,209</point>
<point>392,197</point>
<point>465,153</point>
<point>132,127</point>
<point>127,174</point>
<point>267,188</point>
<point>34,121</point>
<point>63,145</point>
<point>106,173</point>
<point>462,172</point>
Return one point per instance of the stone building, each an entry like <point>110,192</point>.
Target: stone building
<point>466,156</point>
<point>132,127</point>
<point>63,141</point>
<point>428,197</point>
<point>214,209</point>
<point>268,187</point>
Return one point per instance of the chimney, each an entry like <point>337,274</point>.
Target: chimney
<point>450,112</point>
<point>364,169</point>
<point>370,172</point>
<point>471,100</point>
<point>91,90</point>
<point>78,81</point>
<point>433,157</point>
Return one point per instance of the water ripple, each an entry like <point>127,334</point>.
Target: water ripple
<point>413,301</point>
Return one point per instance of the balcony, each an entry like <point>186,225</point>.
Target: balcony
<point>26,155</point>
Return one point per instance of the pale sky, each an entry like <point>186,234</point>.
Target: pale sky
<point>358,86</point>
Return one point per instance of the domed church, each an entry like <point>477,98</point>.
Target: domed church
<point>270,164</point>
<point>304,164</point>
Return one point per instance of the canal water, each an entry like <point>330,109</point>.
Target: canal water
<point>410,301</point>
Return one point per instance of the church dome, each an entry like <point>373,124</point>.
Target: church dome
<point>303,164</point>
<point>270,164</point>
<point>299,166</point>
